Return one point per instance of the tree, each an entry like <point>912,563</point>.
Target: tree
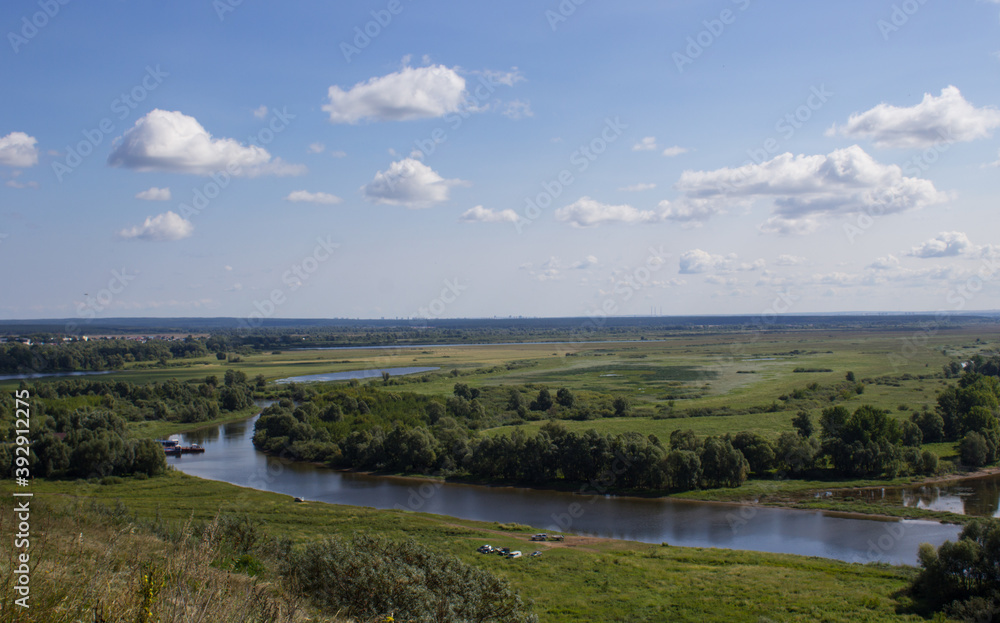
<point>974,450</point>
<point>931,425</point>
<point>683,470</point>
<point>758,451</point>
<point>795,453</point>
<point>462,390</point>
<point>850,377</point>
<point>515,401</point>
<point>385,377</point>
<point>722,465</point>
<point>543,402</point>
<point>221,356</point>
<point>565,397</point>
<point>803,424</point>
<point>912,435</point>
<point>622,406</point>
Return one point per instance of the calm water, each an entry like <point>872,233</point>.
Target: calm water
<point>231,457</point>
<point>353,374</point>
<point>972,496</point>
<point>40,375</point>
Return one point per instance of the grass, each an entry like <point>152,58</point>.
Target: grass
<point>580,580</point>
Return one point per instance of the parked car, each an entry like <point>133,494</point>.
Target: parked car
<point>535,553</point>
<point>485,549</point>
<point>540,537</point>
<point>514,554</point>
<point>503,551</point>
<point>556,537</point>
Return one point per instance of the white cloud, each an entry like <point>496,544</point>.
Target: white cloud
<point>166,226</point>
<point>945,244</point>
<point>506,78</point>
<point>154,194</point>
<point>698,261</point>
<point>411,93</point>
<point>338,154</point>
<point>304,196</point>
<point>646,144</point>
<point>588,262</point>
<point>789,260</point>
<point>172,141</point>
<point>586,212</point>
<point>409,183</point>
<point>676,150</point>
<point>260,112</point>
<point>316,148</point>
<point>803,190</point>
<point>17,149</point>
<point>885,263</point>
<point>517,109</point>
<point>479,214</point>
<point>634,188</point>
<point>946,118</point>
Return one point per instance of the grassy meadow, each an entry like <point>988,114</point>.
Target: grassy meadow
<point>582,579</point>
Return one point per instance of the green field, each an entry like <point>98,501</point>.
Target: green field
<point>582,580</point>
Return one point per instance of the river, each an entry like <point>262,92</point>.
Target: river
<point>230,457</point>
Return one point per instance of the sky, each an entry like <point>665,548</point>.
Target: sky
<point>402,159</point>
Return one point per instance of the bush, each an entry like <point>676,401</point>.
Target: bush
<point>371,578</point>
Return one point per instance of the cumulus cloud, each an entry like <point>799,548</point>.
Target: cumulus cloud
<point>411,93</point>
<point>698,261</point>
<point>260,112</point>
<point>646,144</point>
<point>634,188</point>
<point>479,214</point>
<point>171,141</point>
<point>409,183</point>
<point>304,196</point>
<point>316,148</point>
<point>676,150</point>
<point>154,194</point>
<point>789,260</point>
<point>166,226</point>
<point>947,117</point>
<point>587,212</point>
<point>945,244</point>
<point>804,190</point>
<point>17,149</point>
<point>888,262</point>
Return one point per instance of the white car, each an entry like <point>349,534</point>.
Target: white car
<point>514,555</point>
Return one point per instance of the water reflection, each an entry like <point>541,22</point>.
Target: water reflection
<point>231,457</point>
<point>978,497</point>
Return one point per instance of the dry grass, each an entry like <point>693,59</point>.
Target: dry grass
<point>92,569</point>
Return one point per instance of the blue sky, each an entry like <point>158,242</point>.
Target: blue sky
<point>590,158</point>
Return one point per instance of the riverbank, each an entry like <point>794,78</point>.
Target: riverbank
<point>583,579</point>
